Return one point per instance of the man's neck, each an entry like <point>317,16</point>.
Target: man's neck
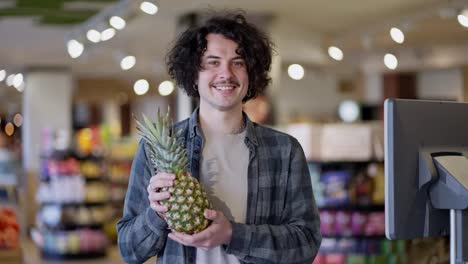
<point>225,122</point>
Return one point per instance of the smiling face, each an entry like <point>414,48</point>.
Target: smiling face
<point>223,80</point>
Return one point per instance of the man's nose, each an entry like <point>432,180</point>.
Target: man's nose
<point>225,71</point>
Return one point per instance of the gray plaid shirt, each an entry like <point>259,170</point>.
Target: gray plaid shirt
<point>282,224</point>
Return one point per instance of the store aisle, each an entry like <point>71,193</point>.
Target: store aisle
<point>31,255</point>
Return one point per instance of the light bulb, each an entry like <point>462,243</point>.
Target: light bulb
<point>463,18</point>
<point>117,22</point>
<point>75,48</point>
<point>397,35</point>
<point>296,71</point>
<point>390,61</point>
<point>18,80</point>
<point>166,88</point>
<point>141,87</point>
<point>335,53</point>
<point>2,75</point>
<point>149,8</point>
<point>9,79</point>
<point>128,62</point>
<point>107,34</point>
<point>93,35</point>
<point>18,120</point>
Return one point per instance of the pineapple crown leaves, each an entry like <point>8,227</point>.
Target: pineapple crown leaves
<point>165,152</point>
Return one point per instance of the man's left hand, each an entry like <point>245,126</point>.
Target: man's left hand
<point>218,233</point>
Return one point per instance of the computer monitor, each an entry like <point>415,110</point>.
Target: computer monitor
<point>418,136</point>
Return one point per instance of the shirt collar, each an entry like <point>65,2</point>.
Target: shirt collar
<point>195,129</point>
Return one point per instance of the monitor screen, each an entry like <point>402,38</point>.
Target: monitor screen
<point>412,125</point>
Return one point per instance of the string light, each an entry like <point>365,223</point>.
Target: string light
<point>390,61</point>
<point>141,87</point>
<point>166,88</point>
<point>296,71</point>
<point>149,8</point>
<point>335,53</point>
<point>117,22</point>
<point>75,48</point>
<point>397,35</point>
<point>127,62</point>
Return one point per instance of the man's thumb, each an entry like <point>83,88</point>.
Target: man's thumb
<point>210,214</point>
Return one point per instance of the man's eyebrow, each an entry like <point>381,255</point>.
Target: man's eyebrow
<point>212,57</point>
<point>217,57</point>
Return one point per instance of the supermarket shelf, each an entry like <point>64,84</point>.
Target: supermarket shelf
<point>365,208</point>
<point>77,204</point>
<point>10,256</point>
<point>355,236</point>
<point>71,227</point>
<point>60,256</point>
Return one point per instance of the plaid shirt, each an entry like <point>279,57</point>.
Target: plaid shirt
<point>282,223</point>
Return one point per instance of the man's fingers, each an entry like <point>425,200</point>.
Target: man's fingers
<point>158,196</point>
<point>176,239</point>
<point>158,208</point>
<point>210,214</point>
<point>163,176</point>
<point>158,184</point>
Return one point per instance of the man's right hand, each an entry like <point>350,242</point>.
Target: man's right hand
<point>156,195</point>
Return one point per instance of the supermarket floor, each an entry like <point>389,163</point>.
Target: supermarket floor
<point>31,255</point>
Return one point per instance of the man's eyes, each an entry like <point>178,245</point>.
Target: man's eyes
<point>217,63</point>
<point>238,63</point>
<point>213,62</point>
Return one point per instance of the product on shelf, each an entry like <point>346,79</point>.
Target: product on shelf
<point>9,229</point>
<point>72,196</point>
<point>119,163</point>
<point>335,187</point>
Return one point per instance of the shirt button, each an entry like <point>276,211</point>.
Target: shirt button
<point>190,259</point>
<point>197,151</point>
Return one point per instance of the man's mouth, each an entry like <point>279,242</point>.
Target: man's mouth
<point>224,88</point>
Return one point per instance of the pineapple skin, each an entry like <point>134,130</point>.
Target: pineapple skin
<point>186,205</point>
<point>188,200</point>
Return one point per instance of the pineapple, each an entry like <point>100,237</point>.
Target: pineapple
<point>188,200</point>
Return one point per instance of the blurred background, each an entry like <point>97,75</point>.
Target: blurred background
<point>74,73</point>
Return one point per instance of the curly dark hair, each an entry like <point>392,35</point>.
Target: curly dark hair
<point>184,59</point>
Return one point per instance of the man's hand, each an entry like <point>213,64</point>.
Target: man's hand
<point>218,233</point>
<point>155,196</point>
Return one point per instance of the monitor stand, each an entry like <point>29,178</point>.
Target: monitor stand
<point>448,176</point>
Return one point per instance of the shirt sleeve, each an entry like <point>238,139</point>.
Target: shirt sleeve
<point>141,232</point>
<point>297,239</point>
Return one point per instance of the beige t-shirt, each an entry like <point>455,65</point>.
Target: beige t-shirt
<point>224,166</point>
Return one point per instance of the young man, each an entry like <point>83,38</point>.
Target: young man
<point>256,178</point>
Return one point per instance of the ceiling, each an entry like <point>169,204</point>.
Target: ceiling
<point>302,30</point>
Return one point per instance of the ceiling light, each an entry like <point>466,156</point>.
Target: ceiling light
<point>9,129</point>
<point>117,22</point>
<point>127,62</point>
<point>397,35</point>
<point>9,79</point>
<point>18,120</point>
<point>75,48</point>
<point>107,34</point>
<point>93,35</point>
<point>18,80</point>
<point>349,111</point>
<point>390,61</point>
<point>296,71</point>
<point>335,53</point>
<point>463,18</point>
<point>141,87</point>
<point>166,88</point>
<point>149,8</point>
<point>2,75</point>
